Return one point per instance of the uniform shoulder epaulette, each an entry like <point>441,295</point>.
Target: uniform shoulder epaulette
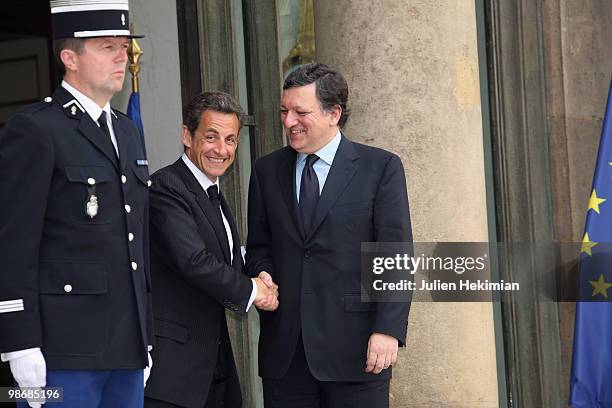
<point>38,106</point>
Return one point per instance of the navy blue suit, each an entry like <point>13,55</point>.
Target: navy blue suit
<point>364,199</point>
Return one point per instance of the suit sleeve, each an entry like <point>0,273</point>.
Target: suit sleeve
<point>258,255</point>
<point>392,224</point>
<point>26,168</point>
<point>175,234</point>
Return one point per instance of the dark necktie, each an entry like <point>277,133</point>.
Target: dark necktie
<point>104,126</point>
<point>309,192</point>
<point>213,194</point>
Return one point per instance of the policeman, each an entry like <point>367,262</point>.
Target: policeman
<point>74,280</point>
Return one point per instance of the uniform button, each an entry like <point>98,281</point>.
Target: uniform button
<point>307,254</point>
<point>134,266</point>
<point>48,99</point>
<point>149,183</point>
<point>67,288</point>
<point>123,179</point>
<point>128,209</point>
<point>91,181</point>
<point>130,237</point>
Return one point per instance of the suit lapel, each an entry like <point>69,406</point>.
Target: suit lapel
<point>122,136</point>
<point>340,174</point>
<point>206,205</point>
<point>95,135</point>
<point>286,180</point>
<point>87,127</point>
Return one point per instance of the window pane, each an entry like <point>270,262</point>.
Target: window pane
<point>296,32</point>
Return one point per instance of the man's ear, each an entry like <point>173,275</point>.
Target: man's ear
<point>69,59</point>
<point>186,136</point>
<point>336,113</point>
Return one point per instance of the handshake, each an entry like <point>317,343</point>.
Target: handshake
<point>267,292</point>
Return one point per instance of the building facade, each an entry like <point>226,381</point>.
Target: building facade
<point>494,106</point>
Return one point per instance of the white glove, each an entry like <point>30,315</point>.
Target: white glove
<point>30,371</point>
<point>147,369</point>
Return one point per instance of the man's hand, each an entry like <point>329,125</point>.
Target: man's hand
<point>267,279</point>
<point>267,292</point>
<point>30,371</point>
<point>382,353</point>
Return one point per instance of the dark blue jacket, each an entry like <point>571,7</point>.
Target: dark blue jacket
<point>83,282</point>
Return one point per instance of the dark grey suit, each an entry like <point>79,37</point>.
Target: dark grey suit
<point>193,280</point>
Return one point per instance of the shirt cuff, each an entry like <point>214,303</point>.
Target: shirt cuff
<point>253,295</point>
<point>16,354</point>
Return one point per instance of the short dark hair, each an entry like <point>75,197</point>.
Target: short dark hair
<point>74,44</point>
<point>331,86</point>
<point>212,100</point>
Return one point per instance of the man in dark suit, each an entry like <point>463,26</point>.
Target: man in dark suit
<point>74,285</point>
<point>197,266</point>
<point>311,204</point>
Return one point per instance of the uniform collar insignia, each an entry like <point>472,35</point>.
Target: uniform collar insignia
<point>73,109</point>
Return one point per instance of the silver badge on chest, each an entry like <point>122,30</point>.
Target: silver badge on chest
<point>91,206</point>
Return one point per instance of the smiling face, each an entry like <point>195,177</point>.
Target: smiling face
<point>212,147</point>
<point>98,70</point>
<point>308,126</point>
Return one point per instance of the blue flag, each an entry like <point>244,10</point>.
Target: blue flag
<point>591,376</point>
<point>133,111</point>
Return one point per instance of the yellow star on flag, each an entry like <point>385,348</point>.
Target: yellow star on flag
<point>587,245</point>
<point>600,286</point>
<point>595,201</point>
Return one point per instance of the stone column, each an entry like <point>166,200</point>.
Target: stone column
<point>412,69</point>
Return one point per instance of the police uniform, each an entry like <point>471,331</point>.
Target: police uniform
<point>74,279</point>
<point>77,282</point>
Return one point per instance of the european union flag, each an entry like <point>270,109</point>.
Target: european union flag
<point>133,111</point>
<point>591,377</point>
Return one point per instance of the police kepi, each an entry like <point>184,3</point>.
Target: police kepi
<point>92,18</point>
